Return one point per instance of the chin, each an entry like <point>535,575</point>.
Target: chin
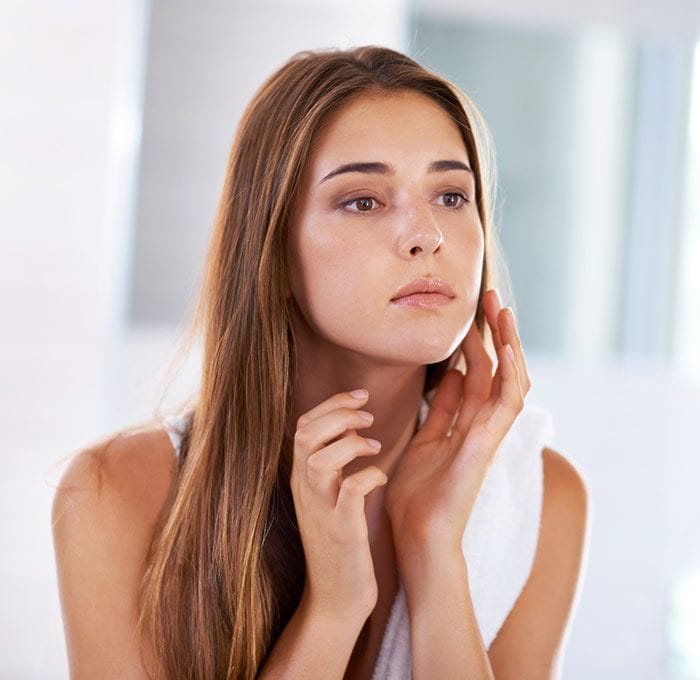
<point>430,355</point>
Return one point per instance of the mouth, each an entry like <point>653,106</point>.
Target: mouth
<point>425,286</point>
<point>424,300</point>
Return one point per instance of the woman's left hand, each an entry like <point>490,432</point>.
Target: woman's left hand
<point>431,491</point>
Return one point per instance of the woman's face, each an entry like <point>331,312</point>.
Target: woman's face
<point>356,237</point>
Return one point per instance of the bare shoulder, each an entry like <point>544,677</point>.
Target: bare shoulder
<point>558,464</point>
<point>103,517</point>
<point>566,499</point>
<point>132,468</point>
<point>532,640</point>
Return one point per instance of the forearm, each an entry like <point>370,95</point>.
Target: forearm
<point>312,646</point>
<point>445,637</point>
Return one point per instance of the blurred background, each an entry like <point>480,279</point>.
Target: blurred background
<point>115,126</point>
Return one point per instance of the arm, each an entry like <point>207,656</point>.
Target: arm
<point>102,523</point>
<point>312,646</point>
<point>445,638</point>
<point>530,644</point>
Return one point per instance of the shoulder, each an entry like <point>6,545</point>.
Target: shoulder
<point>133,467</point>
<point>104,513</point>
<point>565,487</point>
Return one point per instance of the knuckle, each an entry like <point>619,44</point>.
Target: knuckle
<point>301,437</point>
<point>360,442</point>
<point>314,464</point>
<point>351,485</point>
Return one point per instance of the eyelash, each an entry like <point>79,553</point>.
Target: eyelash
<point>462,205</point>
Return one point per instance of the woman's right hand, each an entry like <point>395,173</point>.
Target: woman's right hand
<point>330,510</point>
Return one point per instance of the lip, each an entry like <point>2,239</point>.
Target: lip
<point>424,300</point>
<point>424,285</point>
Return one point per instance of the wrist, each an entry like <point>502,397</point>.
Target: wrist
<point>418,561</point>
<point>331,616</point>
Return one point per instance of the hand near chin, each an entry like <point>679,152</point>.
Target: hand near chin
<point>431,492</point>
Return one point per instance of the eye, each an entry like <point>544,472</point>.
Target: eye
<point>363,200</point>
<point>366,202</point>
<point>456,204</point>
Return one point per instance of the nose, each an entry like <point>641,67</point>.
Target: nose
<point>420,233</point>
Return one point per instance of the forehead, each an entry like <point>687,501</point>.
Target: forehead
<point>407,125</point>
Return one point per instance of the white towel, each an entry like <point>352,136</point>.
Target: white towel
<point>499,542</point>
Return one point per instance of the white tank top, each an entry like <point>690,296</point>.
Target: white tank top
<point>499,542</point>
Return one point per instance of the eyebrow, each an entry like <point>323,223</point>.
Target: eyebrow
<point>384,169</point>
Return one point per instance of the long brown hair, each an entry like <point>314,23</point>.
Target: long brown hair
<point>226,569</point>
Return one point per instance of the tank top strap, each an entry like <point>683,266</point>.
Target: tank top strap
<point>175,425</point>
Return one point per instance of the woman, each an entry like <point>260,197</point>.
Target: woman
<point>280,543</point>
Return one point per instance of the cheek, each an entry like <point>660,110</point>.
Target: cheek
<point>473,261</point>
<point>338,281</point>
<point>346,283</point>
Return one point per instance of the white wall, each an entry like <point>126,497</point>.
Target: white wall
<point>673,19</point>
<point>69,124</point>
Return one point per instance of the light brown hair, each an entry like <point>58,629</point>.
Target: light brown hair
<point>226,570</point>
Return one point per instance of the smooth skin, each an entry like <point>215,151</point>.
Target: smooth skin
<point>349,256</point>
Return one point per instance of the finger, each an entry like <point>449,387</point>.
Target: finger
<point>477,380</point>
<point>342,399</point>
<point>510,400</point>
<point>326,428</point>
<point>479,365</point>
<point>492,306</point>
<point>324,467</point>
<point>509,332</point>
<point>443,406</point>
<point>495,420</point>
<point>354,488</point>
<point>495,318</point>
<point>316,435</point>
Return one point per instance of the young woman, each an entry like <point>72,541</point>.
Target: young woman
<point>261,533</point>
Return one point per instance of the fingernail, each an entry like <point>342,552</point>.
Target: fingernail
<point>498,296</point>
<point>509,349</point>
<point>365,416</point>
<point>374,443</point>
<point>359,394</point>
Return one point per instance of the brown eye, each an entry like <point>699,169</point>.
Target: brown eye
<point>364,201</point>
<point>455,200</point>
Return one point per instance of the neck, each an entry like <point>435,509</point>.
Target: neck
<point>395,392</point>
